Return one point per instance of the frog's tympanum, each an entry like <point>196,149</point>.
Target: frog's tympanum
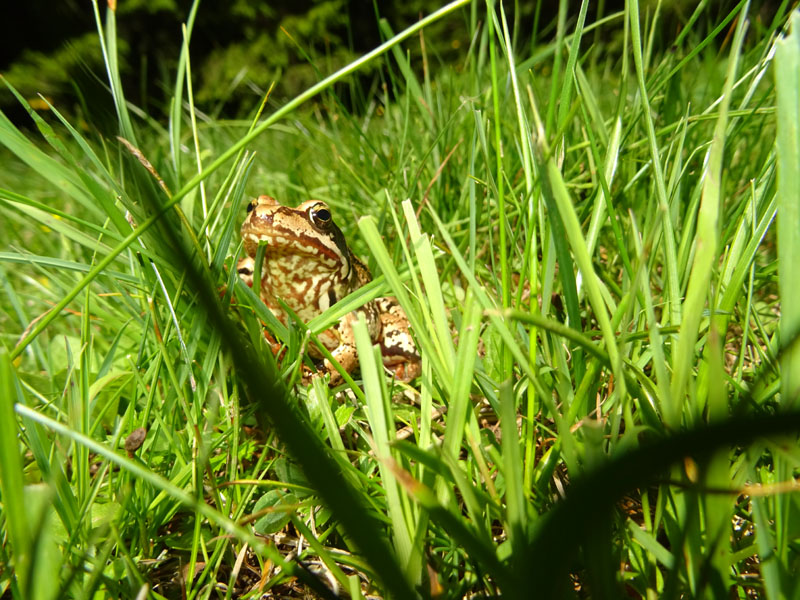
<point>308,266</point>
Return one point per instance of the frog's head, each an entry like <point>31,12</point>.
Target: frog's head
<point>307,231</point>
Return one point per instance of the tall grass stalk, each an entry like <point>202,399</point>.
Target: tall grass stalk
<point>787,74</point>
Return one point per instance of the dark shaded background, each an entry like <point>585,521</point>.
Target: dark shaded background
<point>238,48</point>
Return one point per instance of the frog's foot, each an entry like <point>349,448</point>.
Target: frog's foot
<point>347,357</point>
<point>404,371</point>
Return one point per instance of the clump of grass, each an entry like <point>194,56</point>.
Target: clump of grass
<point>581,238</point>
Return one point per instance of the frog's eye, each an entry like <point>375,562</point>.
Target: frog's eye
<point>251,205</point>
<point>320,216</point>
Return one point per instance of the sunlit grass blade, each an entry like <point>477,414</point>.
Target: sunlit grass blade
<point>60,264</point>
<point>176,108</point>
<point>459,400</point>
<point>381,422</point>
<point>656,338</point>
<point>706,247</point>
<point>478,550</point>
<point>105,198</point>
<point>668,236</point>
<point>602,206</point>
<point>109,45</point>
<point>435,309</point>
<point>60,176</point>
<point>787,77</point>
<point>427,345</point>
<point>12,481</point>
<point>560,197</point>
<point>484,300</point>
<point>57,225</point>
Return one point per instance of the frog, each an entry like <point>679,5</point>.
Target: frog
<point>309,267</point>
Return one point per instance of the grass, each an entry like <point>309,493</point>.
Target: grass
<point>591,237</point>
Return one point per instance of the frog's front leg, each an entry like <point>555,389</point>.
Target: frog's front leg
<point>345,352</point>
<point>400,355</point>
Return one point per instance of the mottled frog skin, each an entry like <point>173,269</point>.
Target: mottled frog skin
<point>308,266</point>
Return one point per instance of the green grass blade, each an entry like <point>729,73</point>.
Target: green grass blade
<point>435,305</point>
<point>427,345</point>
<point>569,72</point>
<point>787,77</point>
<point>12,481</point>
<point>176,108</point>
<point>560,197</point>
<point>60,176</point>
<point>459,401</point>
<point>671,267</point>
<point>381,422</point>
<point>108,44</point>
<point>706,248</point>
<point>60,264</point>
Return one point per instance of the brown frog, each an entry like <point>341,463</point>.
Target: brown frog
<point>309,267</point>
